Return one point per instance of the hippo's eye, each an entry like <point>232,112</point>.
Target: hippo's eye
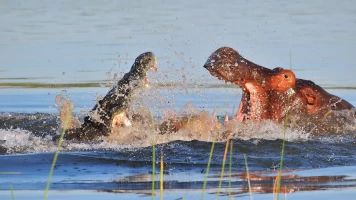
<point>286,76</point>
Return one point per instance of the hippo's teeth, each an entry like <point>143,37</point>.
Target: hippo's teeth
<point>226,119</point>
<point>290,92</point>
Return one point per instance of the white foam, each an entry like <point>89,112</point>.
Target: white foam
<point>202,126</point>
<point>268,130</point>
<point>21,141</point>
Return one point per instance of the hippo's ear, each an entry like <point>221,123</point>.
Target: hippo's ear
<point>277,69</point>
<point>309,94</point>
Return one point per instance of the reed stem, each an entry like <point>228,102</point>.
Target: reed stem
<point>53,164</point>
<point>208,167</point>
<point>161,177</point>
<point>230,170</point>
<point>12,192</point>
<point>248,178</point>
<point>153,159</point>
<point>223,164</point>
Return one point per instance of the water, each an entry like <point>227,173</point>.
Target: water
<point>84,39</point>
<point>80,46</point>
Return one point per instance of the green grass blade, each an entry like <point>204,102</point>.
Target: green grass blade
<point>153,160</point>
<point>230,172</point>
<point>208,167</point>
<point>284,133</point>
<point>153,169</point>
<point>66,123</point>
<point>283,147</point>
<point>248,178</point>
<point>53,164</point>
<point>161,177</point>
<point>223,166</point>
<point>12,192</point>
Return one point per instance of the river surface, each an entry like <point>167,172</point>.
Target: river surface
<point>80,48</point>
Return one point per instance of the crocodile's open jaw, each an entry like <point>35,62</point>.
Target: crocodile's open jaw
<point>154,67</point>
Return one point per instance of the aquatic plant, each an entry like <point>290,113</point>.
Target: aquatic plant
<point>153,159</point>
<point>208,166</point>
<point>65,124</point>
<point>12,192</point>
<point>223,164</point>
<point>230,173</point>
<point>161,176</point>
<point>277,185</point>
<point>153,169</point>
<point>248,177</point>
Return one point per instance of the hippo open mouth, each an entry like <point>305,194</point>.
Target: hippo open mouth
<point>257,82</point>
<point>266,95</point>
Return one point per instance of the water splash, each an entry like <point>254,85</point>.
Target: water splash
<point>65,108</point>
<point>22,141</point>
<point>193,123</point>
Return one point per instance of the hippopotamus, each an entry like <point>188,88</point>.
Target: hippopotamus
<point>111,110</point>
<point>275,93</point>
<point>258,83</point>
